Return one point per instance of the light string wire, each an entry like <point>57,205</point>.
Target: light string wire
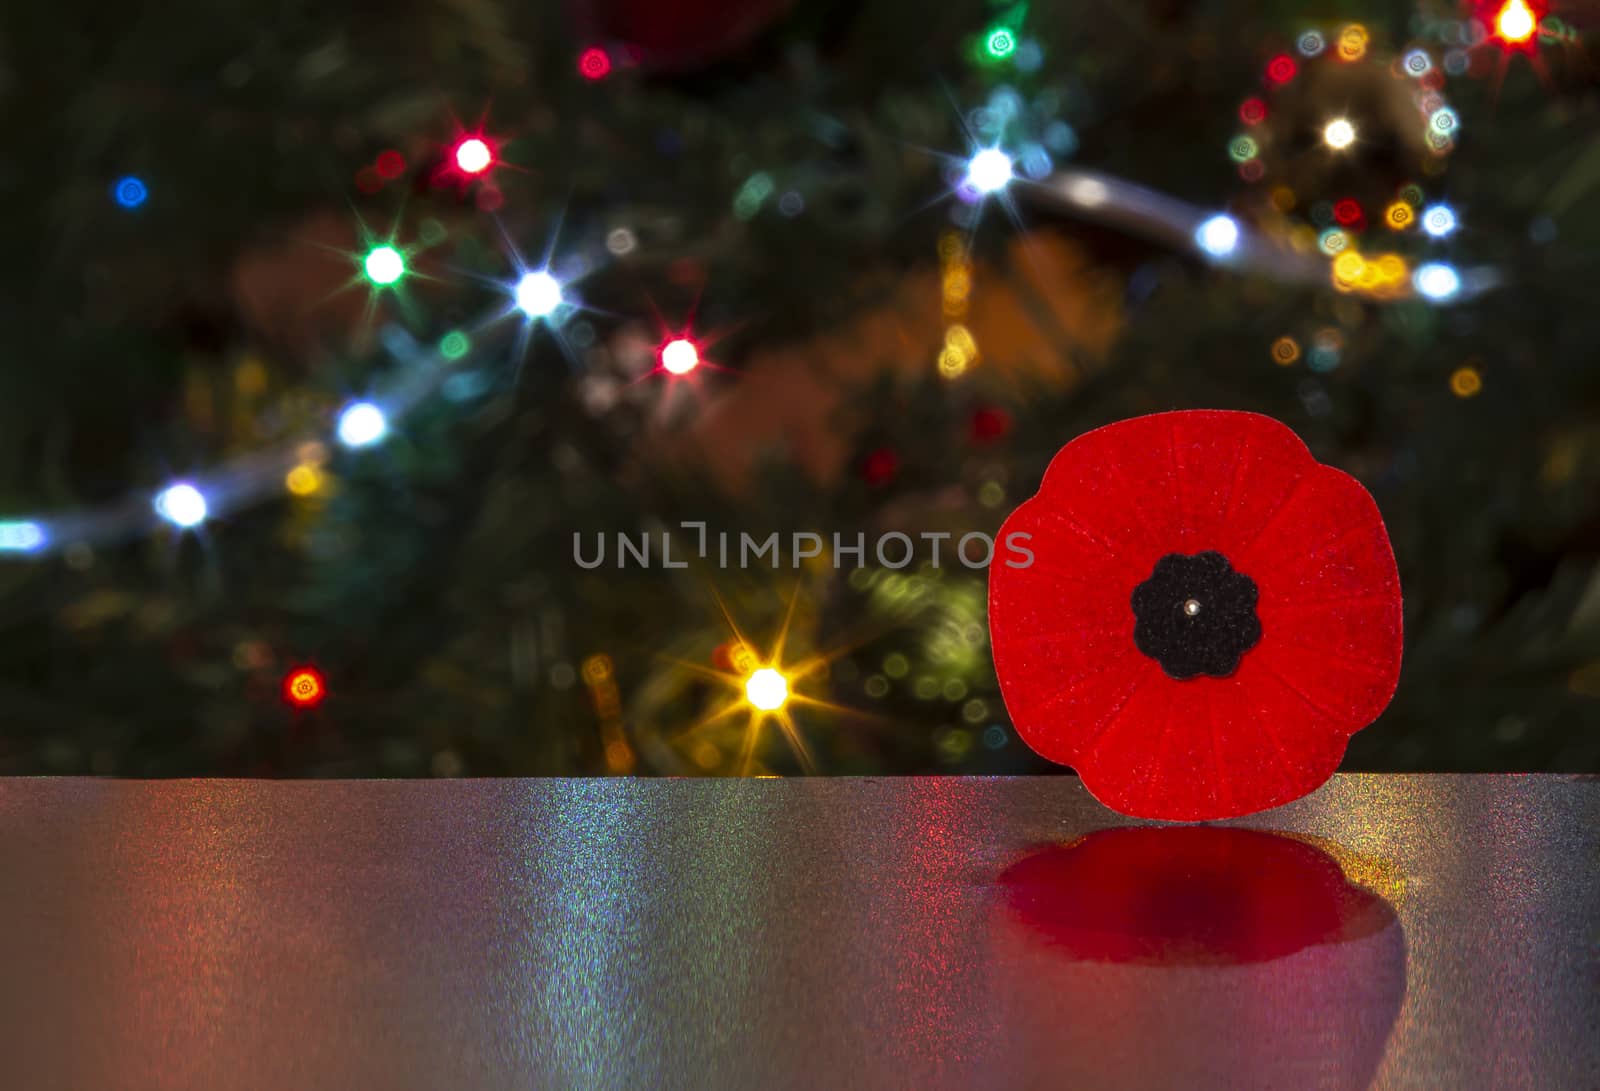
<point>259,477</point>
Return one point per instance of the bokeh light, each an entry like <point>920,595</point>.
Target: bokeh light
<point>1465,382</point>
<point>1515,22</point>
<point>303,480</point>
<point>362,424</point>
<point>1437,281</point>
<point>989,170</point>
<point>767,689</point>
<point>130,192</point>
<point>1339,134</point>
<point>538,294</point>
<point>473,156</point>
<point>1439,220</point>
<point>1218,235</point>
<point>594,64</point>
<point>384,265</point>
<point>182,505</point>
<point>679,356</point>
<point>1000,43</point>
<point>389,165</point>
<point>304,687</point>
<point>21,536</point>
<point>1353,42</point>
<point>1399,216</point>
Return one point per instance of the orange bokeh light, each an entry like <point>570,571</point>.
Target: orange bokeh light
<point>1515,22</point>
<point>304,687</point>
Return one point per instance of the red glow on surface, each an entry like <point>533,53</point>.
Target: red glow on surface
<point>1347,212</point>
<point>1281,69</point>
<point>1252,111</point>
<point>679,356</point>
<point>304,687</point>
<point>594,64</point>
<point>368,180</point>
<point>390,164</point>
<point>1189,896</point>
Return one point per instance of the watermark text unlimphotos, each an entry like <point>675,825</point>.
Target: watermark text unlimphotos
<point>894,549</point>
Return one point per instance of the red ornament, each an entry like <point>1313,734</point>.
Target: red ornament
<point>880,467</point>
<point>304,687</point>
<point>989,424</point>
<point>1209,616</point>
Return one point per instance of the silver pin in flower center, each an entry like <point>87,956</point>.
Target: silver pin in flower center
<point>1192,607</point>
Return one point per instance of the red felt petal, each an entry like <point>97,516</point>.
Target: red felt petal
<point>1236,470</point>
<point>1113,502</point>
<point>1118,482</point>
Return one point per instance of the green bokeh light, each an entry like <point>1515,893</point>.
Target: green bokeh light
<point>454,345</point>
<point>384,265</point>
<point>1000,42</point>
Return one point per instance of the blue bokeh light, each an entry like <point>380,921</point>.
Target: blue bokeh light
<point>1437,281</point>
<point>130,192</point>
<point>362,424</point>
<point>1218,235</point>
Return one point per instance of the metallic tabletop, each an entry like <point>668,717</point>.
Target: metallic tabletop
<point>1390,931</point>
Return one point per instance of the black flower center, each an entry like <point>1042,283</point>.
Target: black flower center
<point>1196,615</point>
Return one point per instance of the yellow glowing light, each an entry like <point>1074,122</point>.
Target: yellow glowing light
<point>1353,42</point>
<point>767,689</point>
<point>1399,216</point>
<point>1339,134</point>
<point>303,480</point>
<point>1392,268</point>
<point>763,689</point>
<point>250,378</point>
<point>1466,382</point>
<point>1285,351</point>
<point>1283,198</point>
<point>1348,268</point>
<point>1515,23</point>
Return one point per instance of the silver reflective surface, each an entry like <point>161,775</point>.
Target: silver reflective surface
<point>1398,931</point>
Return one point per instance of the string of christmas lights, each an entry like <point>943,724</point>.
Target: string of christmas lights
<point>1225,240</point>
<point>539,296</point>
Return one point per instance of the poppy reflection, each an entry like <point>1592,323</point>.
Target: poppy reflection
<point>1194,957</point>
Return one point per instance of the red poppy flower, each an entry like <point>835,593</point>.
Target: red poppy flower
<point>1209,615</point>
